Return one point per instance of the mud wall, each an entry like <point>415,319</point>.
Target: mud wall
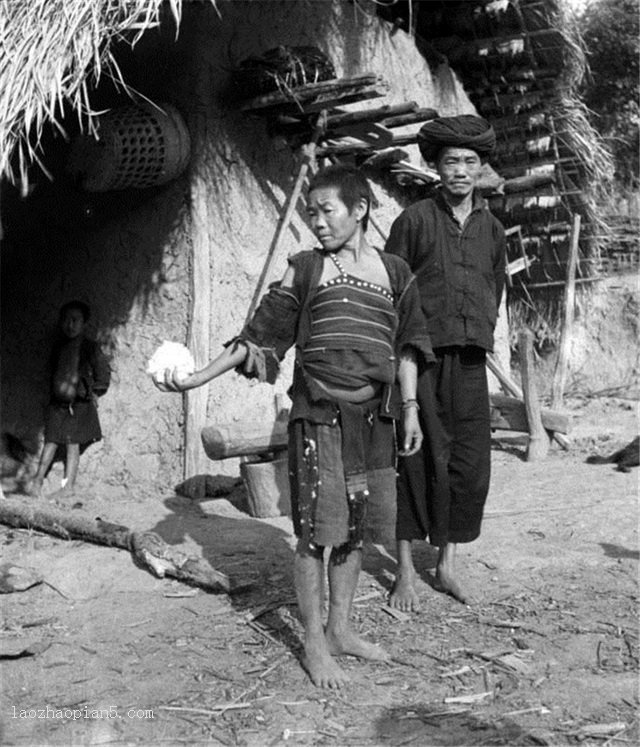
<point>128,254</point>
<point>604,355</point>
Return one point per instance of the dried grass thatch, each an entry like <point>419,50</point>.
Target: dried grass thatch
<point>51,52</point>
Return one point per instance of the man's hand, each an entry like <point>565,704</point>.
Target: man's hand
<point>412,433</point>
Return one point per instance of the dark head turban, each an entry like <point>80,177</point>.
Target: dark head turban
<point>464,131</point>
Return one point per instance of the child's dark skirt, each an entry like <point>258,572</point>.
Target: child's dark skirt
<point>75,423</point>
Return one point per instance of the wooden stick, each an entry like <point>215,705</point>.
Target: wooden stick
<point>420,115</point>
<point>538,441</point>
<point>285,219</point>
<point>560,374</point>
<point>369,115</point>
<point>577,281</point>
<point>313,92</point>
<point>508,384</point>
<point>364,148</point>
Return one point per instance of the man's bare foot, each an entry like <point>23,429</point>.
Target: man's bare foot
<point>351,644</point>
<point>446,582</point>
<point>404,595</point>
<point>322,668</point>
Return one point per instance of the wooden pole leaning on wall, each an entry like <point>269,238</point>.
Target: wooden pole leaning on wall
<point>538,440</point>
<point>290,206</point>
<point>568,311</point>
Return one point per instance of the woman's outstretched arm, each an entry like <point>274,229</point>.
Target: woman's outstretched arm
<point>229,358</point>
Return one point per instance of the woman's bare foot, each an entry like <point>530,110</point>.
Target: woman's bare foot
<point>349,643</point>
<point>404,595</point>
<point>322,667</point>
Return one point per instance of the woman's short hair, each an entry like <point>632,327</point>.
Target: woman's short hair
<point>351,183</point>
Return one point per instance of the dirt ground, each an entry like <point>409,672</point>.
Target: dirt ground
<point>104,653</point>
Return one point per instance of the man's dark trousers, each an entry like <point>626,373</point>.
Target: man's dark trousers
<point>454,465</point>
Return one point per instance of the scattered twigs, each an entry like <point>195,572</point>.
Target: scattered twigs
<point>213,711</point>
<point>540,710</point>
<point>261,631</point>
<point>475,698</point>
<point>397,614</point>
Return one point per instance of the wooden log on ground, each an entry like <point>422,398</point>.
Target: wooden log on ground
<point>568,308</point>
<point>243,439</point>
<point>511,415</point>
<point>148,548</point>
<point>538,442</point>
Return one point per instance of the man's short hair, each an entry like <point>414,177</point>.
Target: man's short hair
<point>351,183</point>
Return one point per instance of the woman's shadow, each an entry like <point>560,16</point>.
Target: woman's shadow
<point>255,554</point>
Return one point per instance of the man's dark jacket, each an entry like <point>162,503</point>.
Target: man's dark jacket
<point>460,269</point>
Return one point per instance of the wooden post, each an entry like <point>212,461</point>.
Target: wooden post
<point>510,387</point>
<point>195,400</point>
<point>538,441</point>
<point>560,374</point>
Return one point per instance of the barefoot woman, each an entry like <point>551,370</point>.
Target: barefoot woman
<point>354,317</point>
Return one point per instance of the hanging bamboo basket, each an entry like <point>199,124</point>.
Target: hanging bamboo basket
<point>137,146</point>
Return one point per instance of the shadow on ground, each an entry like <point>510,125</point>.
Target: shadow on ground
<point>437,725</point>
<point>256,555</point>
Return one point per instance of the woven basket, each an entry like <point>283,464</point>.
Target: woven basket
<point>137,146</point>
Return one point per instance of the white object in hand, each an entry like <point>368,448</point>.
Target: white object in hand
<point>172,356</point>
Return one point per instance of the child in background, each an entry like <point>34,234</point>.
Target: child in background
<point>80,374</point>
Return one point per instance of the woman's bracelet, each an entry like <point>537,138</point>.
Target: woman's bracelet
<point>408,404</point>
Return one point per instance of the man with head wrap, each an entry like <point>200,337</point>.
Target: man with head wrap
<point>456,249</point>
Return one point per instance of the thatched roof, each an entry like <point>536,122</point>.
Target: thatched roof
<point>52,51</point>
